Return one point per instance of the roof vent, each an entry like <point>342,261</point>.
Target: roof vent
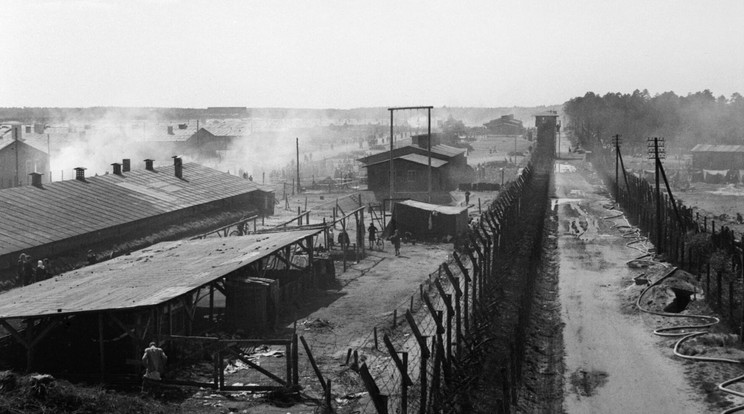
<point>126,165</point>
<point>182,126</point>
<point>178,166</point>
<point>148,165</point>
<point>80,173</point>
<point>36,179</point>
<point>117,168</point>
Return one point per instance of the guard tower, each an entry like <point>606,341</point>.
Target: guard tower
<point>546,123</point>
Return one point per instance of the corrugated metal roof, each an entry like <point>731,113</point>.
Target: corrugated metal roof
<point>441,150</point>
<point>717,148</point>
<point>36,216</point>
<point>434,207</point>
<point>228,129</point>
<point>146,277</point>
<point>416,158</point>
<point>7,139</point>
<point>446,150</point>
<point>422,159</point>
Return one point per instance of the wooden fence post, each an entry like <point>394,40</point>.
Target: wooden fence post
<point>466,304</point>
<point>424,358</point>
<point>378,399</point>
<point>312,362</point>
<point>405,381</point>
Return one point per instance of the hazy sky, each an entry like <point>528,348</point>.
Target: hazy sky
<point>345,54</point>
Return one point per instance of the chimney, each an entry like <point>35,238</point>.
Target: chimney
<point>117,168</point>
<point>178,165</point>
<point>80,173</point>
<point>36,179</point>
<point>28,129</point>
<point>170,129</point>
<point>126,165</point>
<point>148,165</point>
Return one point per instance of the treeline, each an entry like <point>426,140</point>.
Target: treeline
<point>683,121</point>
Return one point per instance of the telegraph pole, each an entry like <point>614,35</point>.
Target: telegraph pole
<point>299,186</point>
<point>616,143</point>
<point>429,148</point>
<point>657,153</point>
<point>391,187</point>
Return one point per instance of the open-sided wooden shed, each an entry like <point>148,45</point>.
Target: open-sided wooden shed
<point>96,320</point>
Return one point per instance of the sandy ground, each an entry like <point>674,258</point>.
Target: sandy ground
<point>332,321</point>
<point>613,363</point>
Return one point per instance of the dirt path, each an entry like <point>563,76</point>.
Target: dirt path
<point>613,363</point>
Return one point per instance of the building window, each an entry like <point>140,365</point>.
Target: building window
<point>411,177</point>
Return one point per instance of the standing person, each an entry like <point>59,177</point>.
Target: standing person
<point>372,230</point>
<point>395,239</point>
<point>40,271</point>
<point>28,271</point>
<point>20,274</point>
<point>154,361</point>
<point>91,257</point>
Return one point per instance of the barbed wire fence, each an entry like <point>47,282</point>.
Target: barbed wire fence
<point>695,243</point>
<point>407,363</point>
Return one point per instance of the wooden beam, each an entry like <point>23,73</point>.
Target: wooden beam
<point>50,325</point>
<point>14,333</point>
<point>221,289</point>
<point>238,354</point>
<point>129,332</point>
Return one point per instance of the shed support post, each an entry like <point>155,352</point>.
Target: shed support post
<point>101,358</point>
<point>211,303</point>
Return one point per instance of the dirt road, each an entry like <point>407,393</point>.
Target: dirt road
<point>613,362</point>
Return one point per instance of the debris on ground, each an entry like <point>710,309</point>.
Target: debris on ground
<point>317,324</point>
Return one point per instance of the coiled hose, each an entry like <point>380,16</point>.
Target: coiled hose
<point>677,331</point>
<point>687,332</point>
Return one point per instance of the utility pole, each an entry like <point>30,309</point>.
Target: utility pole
<point>299,186</point>
<point>16,136</point>
<point>656,153</point>
<point>391,187</point>
<point>616,143</point>
<point>429,148</point>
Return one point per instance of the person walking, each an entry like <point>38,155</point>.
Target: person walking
<point>154,360</point>
<point>372,231</point>
<point>395,239</point>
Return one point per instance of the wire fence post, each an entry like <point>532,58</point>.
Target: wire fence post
<point>379,400</point>
<point>455,282</point>
<point>466,300</point>
<point>402,366</point>
<point>424,359</point>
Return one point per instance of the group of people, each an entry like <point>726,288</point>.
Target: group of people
<point>394,238</point>
<point>29,273</point>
